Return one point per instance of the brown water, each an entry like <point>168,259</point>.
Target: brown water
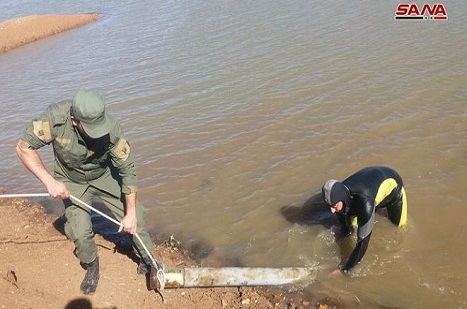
<point>238,112</point>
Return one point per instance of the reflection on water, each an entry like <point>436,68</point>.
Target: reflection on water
<point>238,112</point>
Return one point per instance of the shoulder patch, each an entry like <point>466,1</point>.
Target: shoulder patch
<point>42,130</point>
<point>122,149</point>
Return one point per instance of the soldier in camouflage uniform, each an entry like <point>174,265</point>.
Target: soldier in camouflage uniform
<point>92,158</point>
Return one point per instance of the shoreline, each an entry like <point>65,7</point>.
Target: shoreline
<point>24,30</point>
<point>38,268</point>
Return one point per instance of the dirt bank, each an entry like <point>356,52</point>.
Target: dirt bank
<point>38,270</point>
<point>23,30</point>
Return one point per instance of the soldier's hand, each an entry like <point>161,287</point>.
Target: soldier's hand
<point>129,224</point>
<point>57,189</point>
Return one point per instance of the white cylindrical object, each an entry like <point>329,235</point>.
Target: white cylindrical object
<point>236,276</point>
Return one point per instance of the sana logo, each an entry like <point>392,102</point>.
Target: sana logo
<point>436,11</point>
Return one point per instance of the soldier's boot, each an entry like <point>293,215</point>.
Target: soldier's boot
<point>144,266</point>
<point>89,284</point>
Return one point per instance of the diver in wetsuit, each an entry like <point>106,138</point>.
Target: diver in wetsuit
<point>358,197</point>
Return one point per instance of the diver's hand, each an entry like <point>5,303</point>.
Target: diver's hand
<point>335,273</point>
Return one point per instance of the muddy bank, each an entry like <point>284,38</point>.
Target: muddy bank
<point>38,268</point>
<point>24,30</point>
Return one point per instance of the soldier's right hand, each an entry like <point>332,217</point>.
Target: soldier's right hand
<point>57,189</point>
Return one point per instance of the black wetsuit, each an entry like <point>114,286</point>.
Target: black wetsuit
<point>371,188</point>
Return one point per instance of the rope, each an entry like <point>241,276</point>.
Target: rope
<point>158,265</point>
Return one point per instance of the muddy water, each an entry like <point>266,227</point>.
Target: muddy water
<point>238,112</point>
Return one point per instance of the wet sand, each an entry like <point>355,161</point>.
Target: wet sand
<point>24,30</point>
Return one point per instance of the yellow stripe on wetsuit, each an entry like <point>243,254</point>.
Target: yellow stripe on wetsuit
<point>384,190</point>
<point>403,220</point>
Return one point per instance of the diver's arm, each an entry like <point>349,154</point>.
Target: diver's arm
<point>357,253</point>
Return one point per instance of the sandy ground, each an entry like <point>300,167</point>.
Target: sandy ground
<point>37,265</point>
<point>20,31</point>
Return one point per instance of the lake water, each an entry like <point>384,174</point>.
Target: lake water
<point>239,111</point>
